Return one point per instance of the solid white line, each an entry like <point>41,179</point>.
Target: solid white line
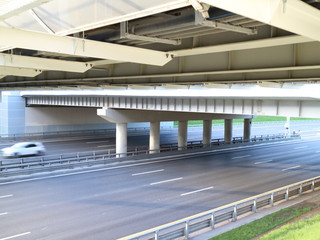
<point>4,213</point>
<point>200,190</point>
<point>142,173</point>
<point>301,147</point>
<point>6,196</point>
<point>170,180</point>
<point>241,157</point>
<point>291,168</point>
<point>14,236</point>
<point>263,162</point>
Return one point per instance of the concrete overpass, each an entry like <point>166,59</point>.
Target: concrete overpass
<point>157,105</point>
<point>210,48</point>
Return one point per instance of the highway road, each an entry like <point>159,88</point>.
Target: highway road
<point>97,143</point>
<point>126,198</point>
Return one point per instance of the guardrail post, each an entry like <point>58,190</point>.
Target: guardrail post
<point>156,235</point>
<point>312,185</point>
<point>186,230</point>
<point>212,220</point>
<point>234,214</point>
<point>300,189</point>
<point>254,207</point>
<point>271,199</point>
<point>287,194</point>
<point>0,165</point>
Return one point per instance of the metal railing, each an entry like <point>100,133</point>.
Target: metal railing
<point>70,160</point>
<point>231,212</point>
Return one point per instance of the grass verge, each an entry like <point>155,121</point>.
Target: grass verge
<point>265,224</point>
<point>308,229</point>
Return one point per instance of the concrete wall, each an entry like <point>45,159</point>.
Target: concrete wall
<point>12,114</point>
<point>51,119</point>
<point>16,118</point>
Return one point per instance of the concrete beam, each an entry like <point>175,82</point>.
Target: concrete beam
<point>16,61</point>
<point>291,15</point>
<point>127,116</point>
<point>80,47</point>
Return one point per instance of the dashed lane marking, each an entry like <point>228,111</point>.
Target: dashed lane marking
<point>170,180</point>
<point>15,236</point>
<point>196,191</point>
<point>267,161</point>
<point>290,168</point>
<point>143,173</point>
<point>6,196</point>
<point>245,156</point>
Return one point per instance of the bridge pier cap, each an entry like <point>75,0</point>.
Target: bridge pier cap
<point>131,116</point>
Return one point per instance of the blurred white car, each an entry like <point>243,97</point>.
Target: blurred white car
<point>23,149</point>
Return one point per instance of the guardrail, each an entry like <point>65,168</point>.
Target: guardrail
<point>69,160</point>
<point>210,219</point>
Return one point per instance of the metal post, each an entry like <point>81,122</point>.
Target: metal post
<point>212,220</point>
<point>254,207</point>
<point>300,189</point>
<point>312,186</point>
<point>271,199</point>
<point>287,194</point>
<point>234,215</point>
<point>186,230</point>
<point>156,235</point>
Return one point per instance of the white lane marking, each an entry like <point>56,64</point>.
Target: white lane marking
<point>245,156</point>
<point>291,168</point>
<point>6,196</point>
<point>15,236</point>
<point>142,173</point>
<point>301,147</point>
<point>170,180</point>
<point>105,146</point>
<point>4,213</point>
<point>200,190</point>
<point>98,142</point>
<point>263,162</point>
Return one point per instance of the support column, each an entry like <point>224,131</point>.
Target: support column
<point>182,134</point>
<point>247,129</point>
<point>207,131</point>
<point>154,141</point>
<point>228,130</point>
<point>121,139</point>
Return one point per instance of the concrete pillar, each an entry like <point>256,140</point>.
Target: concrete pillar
<point>247,129</point>
<point>121,139</point>
<point>228,130</point>
<point>207,131</point>
<point>154,141</point>
<point>182,134</point>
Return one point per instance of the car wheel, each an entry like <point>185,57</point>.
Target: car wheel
<point>40,153</point>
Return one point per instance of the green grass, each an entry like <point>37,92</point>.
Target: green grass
<point>263,225</point>
<point>258,119</point>
<point>308,229</point>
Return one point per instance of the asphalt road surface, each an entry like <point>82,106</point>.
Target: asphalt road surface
<point>126,198</point>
